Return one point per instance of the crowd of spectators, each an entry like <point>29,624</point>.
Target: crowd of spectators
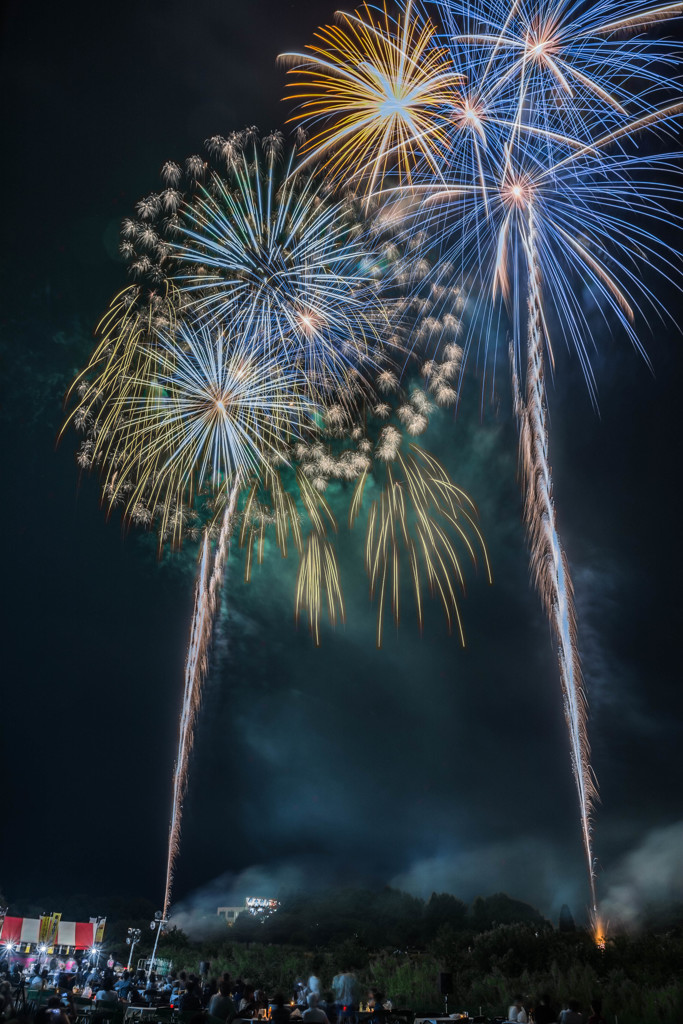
<point>543,1011</point>
<point>61,994</point>
<point>53,995</point>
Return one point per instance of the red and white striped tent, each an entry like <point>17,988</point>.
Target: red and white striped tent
<point>26,931</point>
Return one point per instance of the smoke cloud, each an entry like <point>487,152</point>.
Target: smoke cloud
<point>196,913</point>
<point>648,881</point>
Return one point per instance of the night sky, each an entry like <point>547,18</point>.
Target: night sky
<point>422,765</point>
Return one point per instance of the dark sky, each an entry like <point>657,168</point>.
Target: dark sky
<point>422,764</point>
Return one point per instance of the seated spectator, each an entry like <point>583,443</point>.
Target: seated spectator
<point>516,1012</point>
<point>177,990</point>
<point>543,1011</point>
<point>376,1004</point>
<point>39,979</point>
<point>189,999</point>
<point>107,994</point>
<point>123,985</point>
<point>221,1005</point>
<point>151,992</point>
<point>6,1003</point>
<point>135,997</point>
<point>247,1004</point>
<point>314,1015</point>
<point>571,1015</point>
<point>596,1016</point>
<point>260,999</point>
<point>52,1013</point>
<point>279,1013</point>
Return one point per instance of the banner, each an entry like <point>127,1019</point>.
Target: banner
<point>99,931</point>
<point>44,928</point>
<point>24,931</point>
<point>52,931</point>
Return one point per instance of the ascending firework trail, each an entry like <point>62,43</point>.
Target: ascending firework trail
<point>548,560</point>
<point>207,596</point>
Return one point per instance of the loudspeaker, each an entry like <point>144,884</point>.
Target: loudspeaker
<point>445,983</point>
<point>204,966</point>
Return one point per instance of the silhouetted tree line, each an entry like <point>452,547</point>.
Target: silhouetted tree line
<point>379,919</point>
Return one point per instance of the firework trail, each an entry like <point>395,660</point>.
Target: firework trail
<point>548,561</point>
<point>207,595</point>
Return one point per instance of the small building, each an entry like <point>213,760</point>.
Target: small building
<point>230,913</point>
<point>257,906</point>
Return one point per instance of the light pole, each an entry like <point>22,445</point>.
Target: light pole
<point>132,940</point>
<point>157,925</point>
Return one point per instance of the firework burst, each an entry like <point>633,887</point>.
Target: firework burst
<point>377,93</point>
<point>206,408</point>
<point>288,266</point>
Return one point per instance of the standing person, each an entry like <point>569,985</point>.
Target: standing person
<point>516,1011</point>
<point>347,996</point>
<point>313,984</point>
